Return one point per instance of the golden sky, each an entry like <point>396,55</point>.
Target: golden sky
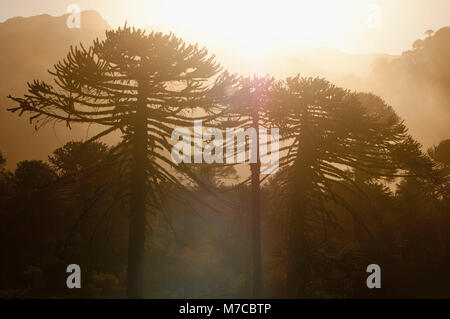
<point>360,26</point>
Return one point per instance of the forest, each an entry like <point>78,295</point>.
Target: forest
<point>353,187</point>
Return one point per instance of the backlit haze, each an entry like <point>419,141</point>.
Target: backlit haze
<point>337,40</point>
<point>264,26</point>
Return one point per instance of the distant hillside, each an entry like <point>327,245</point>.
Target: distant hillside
<point>309,61</point>
<point>325,62</point>
<point>30,46</point>
<point>417,84</point>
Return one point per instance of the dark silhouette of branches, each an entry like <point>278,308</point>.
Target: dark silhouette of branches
<point>144,86</point>
<point>328,131</point>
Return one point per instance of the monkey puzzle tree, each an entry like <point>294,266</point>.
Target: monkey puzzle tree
<point>325,132</point>
<point>248,110</point>
<point>143,85</point>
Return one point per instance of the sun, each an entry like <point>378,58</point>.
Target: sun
<point>258,27</point>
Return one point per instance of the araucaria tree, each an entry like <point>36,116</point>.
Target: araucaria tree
<point>143,85</point>
<point>248,110</point>
<point>326,133</point>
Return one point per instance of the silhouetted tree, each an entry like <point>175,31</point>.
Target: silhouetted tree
<point>78,157</point>
<point>328,131</point>
<point>441,153</point>
<point>32,175</point>
<point>248,109</point>
<point>144,86</point>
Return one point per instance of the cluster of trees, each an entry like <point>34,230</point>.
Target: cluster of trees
<point>417,84</point>
<point>423,65</point>
<point>353,187</point>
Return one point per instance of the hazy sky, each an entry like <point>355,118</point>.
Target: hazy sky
<point>364,26</point>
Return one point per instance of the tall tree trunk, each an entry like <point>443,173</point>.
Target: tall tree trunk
<point>256,216</point>
<point>136,237</point>
<point>297,252</point>
<point>301,183</point>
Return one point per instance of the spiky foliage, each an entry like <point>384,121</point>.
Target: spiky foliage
<point>327,132</point>
<point>108,82</point>
<point>144,85</point>
<point>250,96</point>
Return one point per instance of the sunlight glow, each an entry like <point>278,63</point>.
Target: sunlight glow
<point>262,26</point>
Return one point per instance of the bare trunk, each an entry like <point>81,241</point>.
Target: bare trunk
<point>297,254</point>
<point>136,239</point>
<point>256,217</point>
